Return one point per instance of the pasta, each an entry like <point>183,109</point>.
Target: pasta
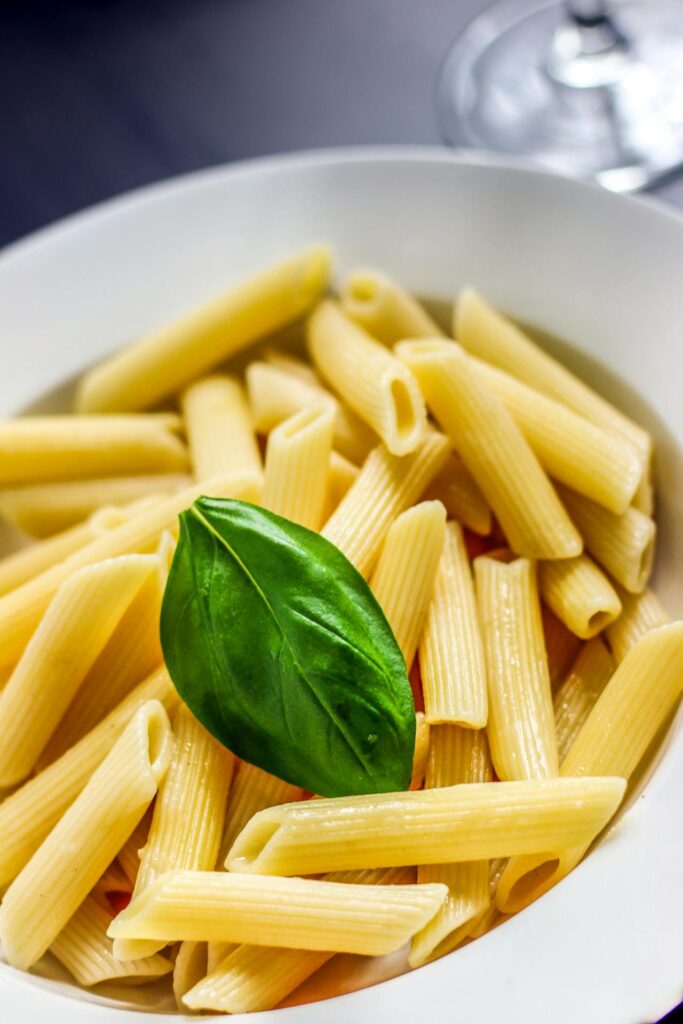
<point>461,497</point>
<point>219,428</point>
<point>409,561</point>
<point>520,727</point>
<point>252,791</point>
<point>494,451</point>
<point>373,382</point>
<point>421,752</point>
<point>340,475</point>
<point>561,646</point>
<point>384,309</point>
<point>577,694</point>
<point>54,883</point>
<point>167,359</point>
<point>580,595</point>
<point>385,487</point>
<point>189,968</point>
<point>454,823</point>
<point>297,466</point>
<point>640,614</point>
<point>451,651</point>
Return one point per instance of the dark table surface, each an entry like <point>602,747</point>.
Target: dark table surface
<point>100,96</point>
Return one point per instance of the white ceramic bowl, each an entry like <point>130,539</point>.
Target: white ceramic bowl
<point>604,273</point>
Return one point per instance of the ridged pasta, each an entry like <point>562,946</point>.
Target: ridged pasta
<point>455,488</point>
<point>252,790</point>
<point>579,594</point>
<point>421,751</point>
<point>220,433</point>
<point>384,308</point>
<point>189,968</point>
<point>640,613</point>
<point>577,694</point>
<point>297,466</point>
<point>561,646</point>
<point>341,473</point>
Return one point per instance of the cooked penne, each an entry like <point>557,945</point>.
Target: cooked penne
<point>128,857</point>
<point>451,650</point>
<point>42,510</point>
<point>190,967</point>
<point>521,727</point>
<point>640,614</point>
<point>408,563</point>
<point>491,915</point>
<point>561,646</point>
<point>475,821</point>
<point>623,545</point>
<point>579,594</point>
<point>421,752</point>
<point>275,395</point>
<point>187,824</point>
<point>379,389</point>
<point>252,790</point>
<point>21,609</point>
<point>164,361</point>
<point>456,755</point>
<point>292,365</point>
<point>385,486</point>
<point>577,694</point>
<point>297,466</point>
<point>460,495</point>
<point>84,949</point>
<point>592,461</point>
<point>340,475</point>
<point>493,449</point>
<point>63,447</point>
<point>220,433</point>
<point>299,912</point>
<point>627,715</point>
<point>54,883</point>
<point>28,815</point>
<point>79,621</point>
<point>384,309</point>
<point>488,334</point>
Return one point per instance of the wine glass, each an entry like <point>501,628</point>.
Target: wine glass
<point>585,87</point>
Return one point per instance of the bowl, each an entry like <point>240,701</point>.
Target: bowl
<point>602,277</point>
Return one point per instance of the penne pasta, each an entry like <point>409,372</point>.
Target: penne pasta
<point>379,389</point>
<point>592,461</point>
<point>294,912</point>
<point>614,737</point>
<point>451,650</point>
<point>297,466</point>
<point>291,364</point>
<point>340,475</point>
<point>640,614</point>
<point>521,727</point>
<point>54,883</point>
<point>190,967</point>
<point>561,646</point>
<point>29,814</point>
<point>577,694</point>
<point>385,487</point>
<point>21,609</point>
<point>220,433</point>
<point>579,594</point>
<point>75,628</point>
<point>457,491</point>
<point>493,450</point>
<point>384,309</point>
<point>252,790</point>
<point>275,395</point>
<point>128,857</point>
<point>475,821</point>
<point>421,753</point>
<point>456,755</point>
<point>408,563</point>
<point>164,361</point>
<point>623,545</point>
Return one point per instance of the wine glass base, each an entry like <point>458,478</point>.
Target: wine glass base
<point>499,90</point>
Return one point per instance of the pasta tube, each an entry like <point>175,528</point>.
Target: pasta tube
<point>297,466</point>
<point>220,433</point>
<point>460,495</point>
<point>521,727</point>
<point>456,756</point>
<point>21,609</point>
<point>76,626</point>
<point>561,646</point>
<point>641,613</point>
<point>577,694</point>
<point>451,650</point>
<point>384,309</point>
<point>408,564</point>
<point>299,912</point>
<point>42,510</point>
<point>166,360</point>
<point>615,735</point>
<point>381,390</point>
<point>421,752</point>
<point>340,475</point>
<point>275,395</point>
<point>580,595</point>
<point>623,545</point>
<point>292,365</point>
<point>252,790</point>
<point>493,449</point>
<point>190,967</point>
<point>54,883</point>
<point>385,486</point>
<point>475,821</point>
<point>28,815</point>
<point>63,447</point>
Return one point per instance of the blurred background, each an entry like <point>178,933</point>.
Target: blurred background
<point>100,96</point>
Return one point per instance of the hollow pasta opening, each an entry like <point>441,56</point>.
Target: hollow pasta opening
<point>157,738</point>
<point>362,289</point>
<point>404,412</point>
<point>531,885</point>
<point>252,842</point>
<point>597,622</point>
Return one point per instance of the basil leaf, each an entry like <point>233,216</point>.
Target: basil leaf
<point>275,642</point>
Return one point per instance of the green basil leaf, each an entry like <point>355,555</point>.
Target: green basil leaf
<point>275,642</point>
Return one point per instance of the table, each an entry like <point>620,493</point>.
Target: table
<point>100,96</point>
